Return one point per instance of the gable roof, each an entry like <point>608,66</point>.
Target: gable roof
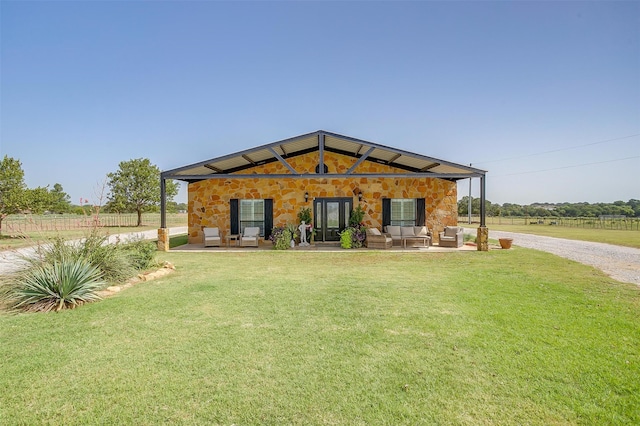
<point>323,141</point>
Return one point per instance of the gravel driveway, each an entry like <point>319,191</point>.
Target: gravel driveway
<point>11,260</point>
<point>620,263</point>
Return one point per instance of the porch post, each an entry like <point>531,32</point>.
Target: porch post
<point>163,232</point>
<point>483,231</point>
<point>482,201</point>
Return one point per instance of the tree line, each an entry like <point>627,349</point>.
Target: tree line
<point>629,208</point>
<point>133,188</point>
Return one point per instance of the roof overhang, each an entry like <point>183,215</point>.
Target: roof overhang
<point>415,165</point>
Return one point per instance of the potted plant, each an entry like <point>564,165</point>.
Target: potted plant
<point>292,230</point>
<point>281,238</point>
<point>505,243</point>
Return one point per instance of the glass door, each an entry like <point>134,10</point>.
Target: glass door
<point>331,216</point>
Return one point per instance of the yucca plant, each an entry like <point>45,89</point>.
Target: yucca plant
<point>95,250</point>
<point>63,284</point>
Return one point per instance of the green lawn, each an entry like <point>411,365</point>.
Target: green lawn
<point>354,337</point>
<point>628,238</point>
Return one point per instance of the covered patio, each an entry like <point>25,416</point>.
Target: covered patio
<point>325,173</point>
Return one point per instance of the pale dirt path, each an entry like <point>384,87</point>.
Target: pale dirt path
<point>11,260</point>
<point>620,263</point>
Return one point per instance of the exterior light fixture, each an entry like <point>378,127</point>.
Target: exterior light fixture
<point>306,197</point>
<point>360,196</point>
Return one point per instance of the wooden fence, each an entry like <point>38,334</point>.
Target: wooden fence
<point>67,222</point>
<point>624,224</point>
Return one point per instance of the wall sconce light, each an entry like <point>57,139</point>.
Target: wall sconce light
<point>306,197</point>
<point>360,196</point>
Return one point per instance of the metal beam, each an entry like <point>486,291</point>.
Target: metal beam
<point>321,153</point>
<point>282,160</point>
<point>246,157</point>
<point>324,176</point>
<point>429,167</point>
<point>215,169</point>
<point>360,160</point>
<point>163,202</point>
<point>394,158</point>
<point>482,201</point>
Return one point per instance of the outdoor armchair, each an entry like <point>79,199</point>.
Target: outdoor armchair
<point>211,237</point>
<point>250,236</point>
<point>452,236</point>
<point>377,240</point>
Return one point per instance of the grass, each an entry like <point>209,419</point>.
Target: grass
<point>499,337</point>
<point>616,237</point>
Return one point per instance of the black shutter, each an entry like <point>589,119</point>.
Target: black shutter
<point>420,214</point>
<point>386,212</point>
<point>268,217</point>
<point>234,213</point>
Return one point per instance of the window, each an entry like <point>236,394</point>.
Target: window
<point>252,214</point>
<point>403,211</point>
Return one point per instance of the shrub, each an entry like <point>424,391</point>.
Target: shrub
<point>141,254</point>
<point>52,287</point>
<point>281,238</point>
<point>304,215</point>
<point>345,238</point>
<point>353,237</point>
<point>356,217</point>
<point>110,259</point>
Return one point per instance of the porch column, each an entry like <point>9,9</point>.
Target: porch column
<point>163,239</point>
<point>483,231</point>
<point>163,232</point>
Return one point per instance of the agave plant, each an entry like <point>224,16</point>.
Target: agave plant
<point>59,285</point>
<point>94,249</point>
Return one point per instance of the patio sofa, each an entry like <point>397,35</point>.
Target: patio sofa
<point>377,240</point>
<point>452,236</point>
<point>419,236</point>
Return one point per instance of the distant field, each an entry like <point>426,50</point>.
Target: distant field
<point>626,238</point>
<point>622,224</point>
<point>25,230</point>
<point>67,222</point>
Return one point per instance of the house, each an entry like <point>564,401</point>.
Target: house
<point>329,173</point>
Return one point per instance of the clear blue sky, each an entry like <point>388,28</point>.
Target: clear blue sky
<point>533,92</point>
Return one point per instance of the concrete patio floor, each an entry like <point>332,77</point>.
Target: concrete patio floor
<point>322,247</point>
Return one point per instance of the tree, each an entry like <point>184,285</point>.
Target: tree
<point>136,187</point>
<point>12,188</point>
<point>60,200</point>
<point>38,200</point>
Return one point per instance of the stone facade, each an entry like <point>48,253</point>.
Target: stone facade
<point>209,199</point>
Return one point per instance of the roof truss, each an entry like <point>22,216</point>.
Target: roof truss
<point>323,141</point>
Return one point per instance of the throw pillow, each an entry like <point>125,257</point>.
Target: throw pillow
<point>407,231</point>
<point>420,231</point>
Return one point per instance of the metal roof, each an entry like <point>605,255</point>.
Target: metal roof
<point>410,163</point>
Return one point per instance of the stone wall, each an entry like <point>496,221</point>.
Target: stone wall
<point>209,199</point>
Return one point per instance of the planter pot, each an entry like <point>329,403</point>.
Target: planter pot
<point>505,243</point>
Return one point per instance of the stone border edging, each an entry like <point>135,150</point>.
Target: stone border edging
<point>166,269</point>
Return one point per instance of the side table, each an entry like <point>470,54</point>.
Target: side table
<point>232,237</point>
